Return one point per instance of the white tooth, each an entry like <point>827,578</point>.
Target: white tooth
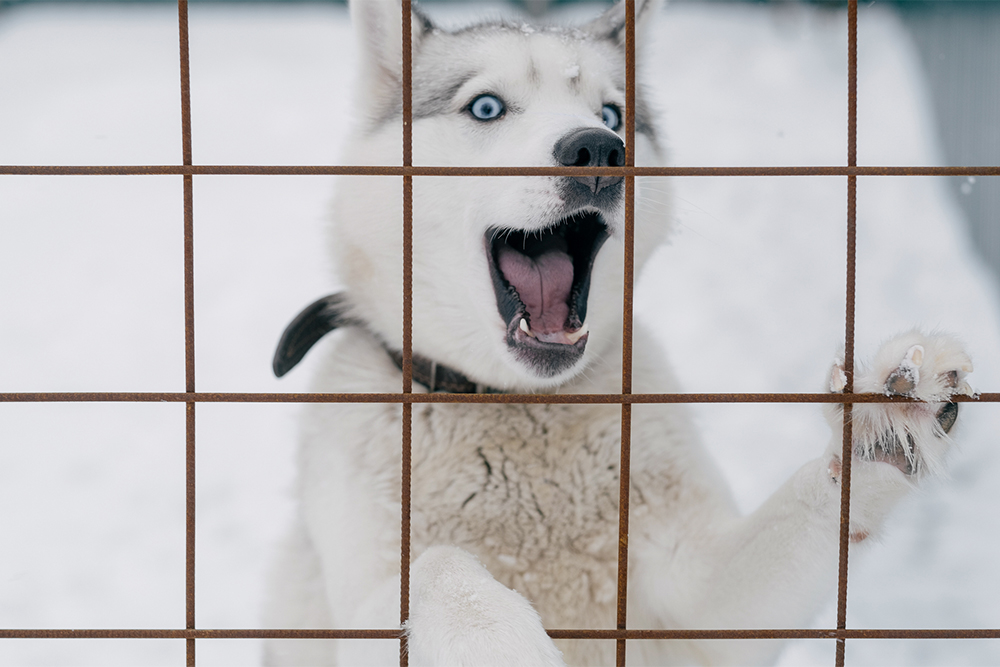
<point>525,328</point>
<point>577,335</point>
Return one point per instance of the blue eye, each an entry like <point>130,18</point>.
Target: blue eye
<point>611,116</point>
<point>487,107</point>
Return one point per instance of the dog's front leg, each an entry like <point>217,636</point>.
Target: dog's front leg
<point>778,566</point>
<point>772,569</point>
<point>460,615</point>
<point>775,568</point>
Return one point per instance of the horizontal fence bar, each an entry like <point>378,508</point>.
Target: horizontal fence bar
<point>343,170</point>
<point>776,634</point>
<point>208,397</point>
<point>990,633</point>
<point>199,634</point>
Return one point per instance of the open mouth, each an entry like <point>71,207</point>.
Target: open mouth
<point>542,279</point>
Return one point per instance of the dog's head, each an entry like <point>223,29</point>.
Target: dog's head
<point>513,281</point>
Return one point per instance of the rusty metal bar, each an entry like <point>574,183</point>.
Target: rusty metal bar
<point>564,399</point>
<point>394,633</point>
<point>189,528</point>
<point>189,374</point>
<point>852,84</point>
<point>356,170</point>
<point>777,634</point>
<point>623,510</point>
<point>407,445</point>
<point>847,448</point>
<point>624,465</point>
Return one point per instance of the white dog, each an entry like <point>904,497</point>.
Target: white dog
<point>517,287</point>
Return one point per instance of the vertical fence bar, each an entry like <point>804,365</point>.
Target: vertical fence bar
<point>852,85</point>
<point>189,376</point>
<point>626,432</point>
<point>404,557</point>
<point>848,438</point>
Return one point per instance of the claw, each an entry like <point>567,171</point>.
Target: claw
<point>948,416</point>
<point>890,449</point>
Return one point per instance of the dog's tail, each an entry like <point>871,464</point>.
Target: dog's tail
<point>315,321</point>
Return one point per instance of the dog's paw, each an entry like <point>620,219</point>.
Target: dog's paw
<point>460,615</point>
<point>912,436</point>
<point>896,443</point>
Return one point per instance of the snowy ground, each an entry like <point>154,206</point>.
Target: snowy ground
<point>748,297</point>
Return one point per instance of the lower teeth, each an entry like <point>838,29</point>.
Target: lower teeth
<point>571,337</point>
<point>577,335</point>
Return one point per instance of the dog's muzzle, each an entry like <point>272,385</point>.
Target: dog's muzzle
<point>542,280</point>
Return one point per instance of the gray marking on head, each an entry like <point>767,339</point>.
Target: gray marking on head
<point>573,78</point>
<point>534,76</point>
<point>645,117</point>
<point>434,91</point>
<point>425,21</point>
<point>487,26</point>
<point>433,95</point>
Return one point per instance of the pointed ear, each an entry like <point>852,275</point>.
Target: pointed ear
<point>378,25</point>
<point>611,24</point>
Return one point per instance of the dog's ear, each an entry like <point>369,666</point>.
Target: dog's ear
<point>611,24</point>
<point>378,25</point>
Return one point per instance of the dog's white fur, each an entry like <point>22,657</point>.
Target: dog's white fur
<point>524,497</point>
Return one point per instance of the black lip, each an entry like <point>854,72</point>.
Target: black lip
<point>546,359</point>
<point>585,232</point>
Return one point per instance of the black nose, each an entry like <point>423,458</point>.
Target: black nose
<point>591,147</point>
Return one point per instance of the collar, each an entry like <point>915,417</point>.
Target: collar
<point>332,312</point>
<point>437,377</point>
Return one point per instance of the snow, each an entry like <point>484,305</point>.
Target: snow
<point>748,296</point>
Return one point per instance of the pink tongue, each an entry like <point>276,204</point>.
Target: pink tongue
<point>543,282</point>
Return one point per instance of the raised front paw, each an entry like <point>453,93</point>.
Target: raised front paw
<point>910,435</point>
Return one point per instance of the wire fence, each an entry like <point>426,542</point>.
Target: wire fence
<point>621,633</point>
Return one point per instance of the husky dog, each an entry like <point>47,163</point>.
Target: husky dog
<point>517,287</point>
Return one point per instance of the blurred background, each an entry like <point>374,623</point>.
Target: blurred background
<point>747,296</point>
<point>958,42</point>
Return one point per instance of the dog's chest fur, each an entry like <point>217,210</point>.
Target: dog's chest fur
<point>530,489</point>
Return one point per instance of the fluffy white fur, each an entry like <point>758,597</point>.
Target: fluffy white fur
<point>515,510</point>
